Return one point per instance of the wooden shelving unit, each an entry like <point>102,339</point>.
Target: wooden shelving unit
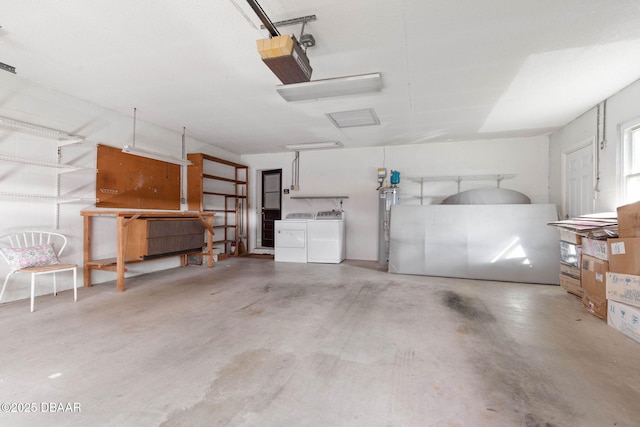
<point>220,186</point>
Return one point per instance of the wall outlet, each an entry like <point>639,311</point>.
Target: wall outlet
<point>285,191</point>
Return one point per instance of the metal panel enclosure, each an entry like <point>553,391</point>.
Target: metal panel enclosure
<point>490,242</point>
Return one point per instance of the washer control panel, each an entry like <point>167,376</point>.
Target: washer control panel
<point>329,215</point>
<point>300,215</point>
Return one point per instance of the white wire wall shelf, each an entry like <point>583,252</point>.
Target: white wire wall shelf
<point>62,137</point>
<point>309,198</point>
<point>47,197</point>
<point>458,179</point>
<point>319,197</point>
<point>63,168</point>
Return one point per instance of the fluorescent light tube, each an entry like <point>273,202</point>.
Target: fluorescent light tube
<point>339,86</point>
<point>7,67</point>
<point>314,145</point>
<point>155,155</point>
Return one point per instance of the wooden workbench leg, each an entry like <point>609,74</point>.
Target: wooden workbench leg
<point>210,243</point>
<point>87,250</point>
<point>120,253</point>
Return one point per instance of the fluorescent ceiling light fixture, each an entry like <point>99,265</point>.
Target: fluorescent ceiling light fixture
<point>353,118</point>
<point>315,145</point>
<point>339,86</point>
<point>7,67</point>
<point>155,155</point>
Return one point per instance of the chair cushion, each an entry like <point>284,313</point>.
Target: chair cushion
<point>35,256</point>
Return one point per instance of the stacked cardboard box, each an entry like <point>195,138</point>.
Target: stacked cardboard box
<point>623,278</point>
<point>594,267</point>
<point>570,265</point>
<point>623,296</point>
<point>577,235</point>
<point>609,277</point>
<point>592,279</point>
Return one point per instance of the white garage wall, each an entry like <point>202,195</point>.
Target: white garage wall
<point>526,158</point>
<point>353,173</point>
<point>620,108</point>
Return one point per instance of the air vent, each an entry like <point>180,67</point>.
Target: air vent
<point>354,118</point>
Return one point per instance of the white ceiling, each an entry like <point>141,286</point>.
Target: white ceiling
<point>451,69</point>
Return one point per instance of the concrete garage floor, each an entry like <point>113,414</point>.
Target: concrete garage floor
<point>257,343</point>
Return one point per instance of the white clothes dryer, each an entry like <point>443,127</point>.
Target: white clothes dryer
<point>291,237</point>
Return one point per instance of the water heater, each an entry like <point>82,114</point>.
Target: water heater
<point>388,196</point>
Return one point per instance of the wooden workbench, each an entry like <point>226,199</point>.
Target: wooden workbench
<point>123,218</point>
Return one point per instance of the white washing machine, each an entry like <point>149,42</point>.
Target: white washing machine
<point>291,237</point>
<point>326,238</point>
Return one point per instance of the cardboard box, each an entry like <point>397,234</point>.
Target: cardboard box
<point>284,56</point>
<point>571,285</point>
<point>593,282</point>
<point>570,236</point>
<point>624,255</point>
<point>595,248</point>
<point>629,220</point>
<point>624,288</point>
<point>275,46</point>
<point>570,254</point>
<point>593,275</point>
<point>595,305</point>
<point>624,318</point>
<point>570,270</point>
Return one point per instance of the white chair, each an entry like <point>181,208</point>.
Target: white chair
<point>36,253</point>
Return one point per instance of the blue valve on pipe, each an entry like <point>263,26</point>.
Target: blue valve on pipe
<point>395,177</point>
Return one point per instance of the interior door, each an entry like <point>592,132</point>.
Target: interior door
<point>579,184</point>
<point>271,204</point>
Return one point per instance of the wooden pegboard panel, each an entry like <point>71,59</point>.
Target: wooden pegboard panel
<point>128,181</point>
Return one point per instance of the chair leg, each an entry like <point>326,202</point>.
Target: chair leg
<point>6,280</point>
<point>55,290</point>
<point>33,290</point>
<point>75,284</point>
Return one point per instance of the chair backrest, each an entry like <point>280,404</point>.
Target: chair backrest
<point>26,239</point>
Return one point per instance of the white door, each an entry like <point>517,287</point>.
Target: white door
<point>579,182</point>
<point>271,204</point>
